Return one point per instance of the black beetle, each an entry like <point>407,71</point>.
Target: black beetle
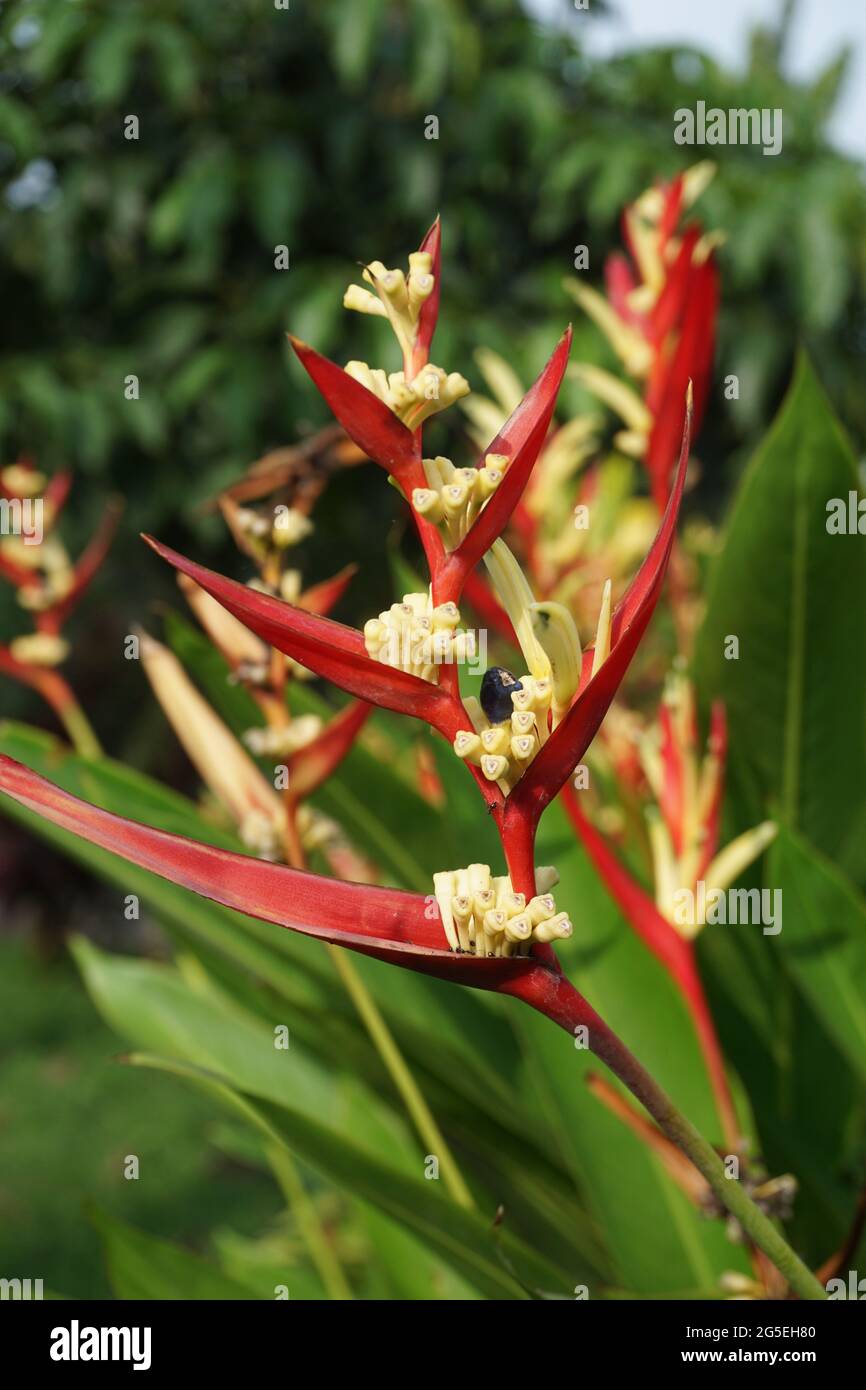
<point>497,687</point>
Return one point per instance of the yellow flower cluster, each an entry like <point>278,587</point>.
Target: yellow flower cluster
<point>412,401</point>
<point>454,496</point>
<point>50,565</point>
<point>280,741</point>
<point>414,636</point>
<point>39,649</point>
<point>483,916</point>
<point>398,297</point>
<point>504,751</point>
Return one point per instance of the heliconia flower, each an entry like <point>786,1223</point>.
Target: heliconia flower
<point>659,317</point>
<point>688,791</point>
<point>48,586</point>
<point>338,653</point>
<point>410,303</point>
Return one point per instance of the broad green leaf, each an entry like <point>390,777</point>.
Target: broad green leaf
<point>823,941</point>
<point>498,1264</point>
<point>795,598</point>
<point>785,1054</point>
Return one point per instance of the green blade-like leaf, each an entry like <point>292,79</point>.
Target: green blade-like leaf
<point>795,598</point>
<point>143,1266</point>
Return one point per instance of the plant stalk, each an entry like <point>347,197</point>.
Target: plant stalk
<point>322,1254</point>
<point>405,1083</point>
<point>555,997</point>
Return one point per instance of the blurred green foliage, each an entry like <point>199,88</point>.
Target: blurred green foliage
<point>305,127</point>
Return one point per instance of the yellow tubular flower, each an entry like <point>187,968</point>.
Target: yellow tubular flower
<point>634,353</point>
<point>397,297</point>
<point>485,916</point>
<point>39,649</point>
<point>615,393</point>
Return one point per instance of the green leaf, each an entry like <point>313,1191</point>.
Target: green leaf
<point>143,1266</point>
<point>823,941</point>
<point>795,597</point>
<point>468,1241</point>
<point>108,66</point>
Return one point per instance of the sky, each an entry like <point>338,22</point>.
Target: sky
<point>720,27</point>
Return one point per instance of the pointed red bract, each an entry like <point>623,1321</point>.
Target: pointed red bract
<point>429,314</point>
<point>367,420</point>
<point>333,651</point>
<point>692,361</point>
<point>321,598</point>
<point>520,439</point>
<point>718,743</point>
<point>570,739</point>
<point>85,569</point>
<point>383,922</point>
<point>314,764</point>
<point>673,779</point>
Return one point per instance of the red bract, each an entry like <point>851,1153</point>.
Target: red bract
<point>366,419</point>
<point>321,598</point>
<point>399,927</point>
<point>570,740</point>
<point>520,440</point>
<point>84,571</point>
<point>314,764</point>
<point>429,316</point>
<point>330,649</point>
<point>692,360</point>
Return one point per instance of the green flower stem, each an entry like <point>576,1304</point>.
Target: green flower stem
<point>420,1112</point>
<point>80,730</point>
<point>320,1248</point>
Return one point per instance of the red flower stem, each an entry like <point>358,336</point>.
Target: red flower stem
<point>695,998</point>
<point>517,833</point>
<point>556,998</point>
